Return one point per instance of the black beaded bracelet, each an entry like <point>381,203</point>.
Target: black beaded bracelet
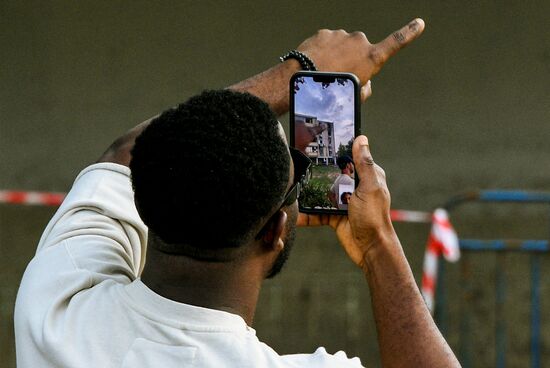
<point>303,59</point>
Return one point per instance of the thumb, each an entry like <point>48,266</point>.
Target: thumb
<point>362,158</point>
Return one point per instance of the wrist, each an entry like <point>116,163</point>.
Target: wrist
<point>291,66</point>
<point>382,245</point>
<point>303,59</point>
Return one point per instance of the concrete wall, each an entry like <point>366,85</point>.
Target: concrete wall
<point>467,106</point>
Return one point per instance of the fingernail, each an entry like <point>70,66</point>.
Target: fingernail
<point>416,24</point>
<point>364,139</point>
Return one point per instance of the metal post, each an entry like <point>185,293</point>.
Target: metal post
<point>500,321</point>
<point>465,350</point>
<point>535,311</point>
<point>440,312</point>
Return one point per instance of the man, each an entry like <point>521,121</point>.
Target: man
<point>88,299</point>
<point>344,182</point>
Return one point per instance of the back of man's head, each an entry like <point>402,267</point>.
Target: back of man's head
<point>223,144</point>
<point>343,161</point>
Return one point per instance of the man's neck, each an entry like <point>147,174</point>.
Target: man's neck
<point>223,286</point>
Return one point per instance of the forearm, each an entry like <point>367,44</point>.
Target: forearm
<point>271,85</point>
<point>407,334</point>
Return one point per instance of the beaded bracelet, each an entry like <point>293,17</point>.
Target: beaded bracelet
<point>303,59</point>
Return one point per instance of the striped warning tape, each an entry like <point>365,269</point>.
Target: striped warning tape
<point>31,198</point>
<point>55,199</point>
<point>410,216</point>
<point>442,241</point>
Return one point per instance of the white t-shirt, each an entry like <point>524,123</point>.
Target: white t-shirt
<point>81,302</point>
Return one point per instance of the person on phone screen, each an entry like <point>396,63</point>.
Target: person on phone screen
<point>345,180</point>
<point>134,270</point>
<point>345,197</point>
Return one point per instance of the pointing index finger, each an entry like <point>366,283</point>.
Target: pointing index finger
<point>399,39</point>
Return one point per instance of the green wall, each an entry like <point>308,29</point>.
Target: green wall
<point>467,106</point>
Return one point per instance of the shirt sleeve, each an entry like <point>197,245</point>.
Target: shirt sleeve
<point>98,227</point>
<point>95,238</point>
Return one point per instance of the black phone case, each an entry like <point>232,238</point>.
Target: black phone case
<point>357,121</point>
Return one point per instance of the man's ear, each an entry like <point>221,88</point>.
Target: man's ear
<point>272,231</point>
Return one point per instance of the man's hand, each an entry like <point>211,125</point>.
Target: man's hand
<point>333,51</point>
<point>339,51</point>
<point>368,209</point>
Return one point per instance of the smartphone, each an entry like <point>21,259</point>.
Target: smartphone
<point>324,119</point>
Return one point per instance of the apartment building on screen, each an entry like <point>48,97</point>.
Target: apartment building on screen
<point>322,151</point>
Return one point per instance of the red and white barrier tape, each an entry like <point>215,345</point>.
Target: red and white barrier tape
<point>410,216</point>
<point>429,273</point>
<point>443,240</point>
<point>55,199</point>
<point>31,198</point>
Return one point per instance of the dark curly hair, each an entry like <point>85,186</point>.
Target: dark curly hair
<point>207,173</point>
<point>343,161</point>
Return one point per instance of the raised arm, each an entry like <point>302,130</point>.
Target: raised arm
<point>407,334</point>
<point>336,51</point>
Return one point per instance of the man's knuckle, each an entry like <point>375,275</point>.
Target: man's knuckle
<point>359,35</point>
<point>323,32</point>
<point>368,161</point>
<point>376,56</point>
<point>399,37</point>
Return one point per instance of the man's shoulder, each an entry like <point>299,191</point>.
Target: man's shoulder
<point>344,179</point>
<point>348,179</point>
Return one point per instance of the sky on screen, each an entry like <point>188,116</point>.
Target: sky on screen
<point>334,103</point>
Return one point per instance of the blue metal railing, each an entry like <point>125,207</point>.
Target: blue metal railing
<point>501,246</point>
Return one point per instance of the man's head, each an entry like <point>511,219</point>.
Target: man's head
<point>345,197</point>
<point>229,146</point>
<point>345,163</point>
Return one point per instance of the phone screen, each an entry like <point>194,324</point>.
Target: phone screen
<point>324,121</point>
